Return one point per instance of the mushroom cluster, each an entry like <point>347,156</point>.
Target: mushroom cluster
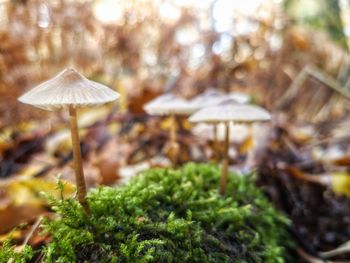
<point>71,90</point>
<point>173,106</point>
<point>211,107</point>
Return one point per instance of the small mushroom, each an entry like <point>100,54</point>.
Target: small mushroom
<point>171,105</point>
<point>70,90</point>
<point>212,97</point>
<point>226,113</point>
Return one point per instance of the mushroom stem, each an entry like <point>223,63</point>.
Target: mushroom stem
<point>216,143</point>
<point>224,170</point>
<point>78,166</point>
<point>174,147</point>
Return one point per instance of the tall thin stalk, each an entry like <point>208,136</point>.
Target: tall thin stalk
<point>78,165</point>
<point>174,147</point>
<point>224,171</point>
<point>216,143</point>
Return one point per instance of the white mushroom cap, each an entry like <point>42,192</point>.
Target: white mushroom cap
<point>231,112</point>
<point>208,98</point>
<point>170,104</point>
<point>239,97</point>
<point>68,88</point>
<point>212,97</point>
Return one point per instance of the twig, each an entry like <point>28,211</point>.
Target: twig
<point>26,240</point>
<point>312,259</point>
<point>344,248</point>
<point>309,258</point>
<point>319,75</point>
<point>31,232</point>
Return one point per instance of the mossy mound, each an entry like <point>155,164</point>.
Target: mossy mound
<point>168,215</point>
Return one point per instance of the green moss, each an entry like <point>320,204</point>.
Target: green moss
<point>168,215</point>
<point>8,253</point>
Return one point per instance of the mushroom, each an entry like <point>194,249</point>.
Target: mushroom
<point>70,90</point>
<point>170,104</point>
<point>209,98</point>
<point>212,97</point>
<point>226,113</point>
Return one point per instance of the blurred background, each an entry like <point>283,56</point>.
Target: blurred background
<point>290,56</point>
<point>143,48</point>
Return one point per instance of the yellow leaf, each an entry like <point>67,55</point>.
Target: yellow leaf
<point>166,123</point>
<point>11,235</point>
<point>247,144</point>
<point>341,183</point>
<point>186,124</point>
<point>32,169</point>
<point>28,191</point>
